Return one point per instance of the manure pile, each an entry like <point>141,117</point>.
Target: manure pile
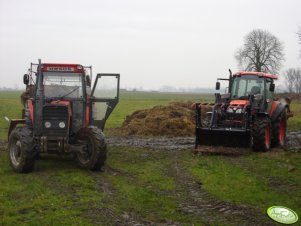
<point>174,120</point>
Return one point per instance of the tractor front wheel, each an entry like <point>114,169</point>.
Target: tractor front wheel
<point>22,150</point>
<point>279,131</point>
<point>94,151</point>
<point>261,134</point>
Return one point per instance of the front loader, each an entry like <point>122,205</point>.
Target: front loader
<point>62,114</point>
<point>248,115</point>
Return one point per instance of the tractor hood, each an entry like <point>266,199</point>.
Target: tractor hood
<point>64,103</point>
<point>239,103</point>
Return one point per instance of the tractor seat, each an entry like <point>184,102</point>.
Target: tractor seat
<point>255,90</point>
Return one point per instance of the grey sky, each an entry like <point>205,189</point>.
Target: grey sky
<point>150,43</point>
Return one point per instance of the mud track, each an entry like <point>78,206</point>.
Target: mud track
<point>194,200</point>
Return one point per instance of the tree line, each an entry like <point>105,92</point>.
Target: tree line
<point>263,52</point>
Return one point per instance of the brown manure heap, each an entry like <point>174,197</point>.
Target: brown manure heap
<point>174,120</point>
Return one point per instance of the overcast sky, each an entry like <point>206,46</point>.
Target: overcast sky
<point>153,43</point>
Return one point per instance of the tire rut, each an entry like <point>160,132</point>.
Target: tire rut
<point>109,215</point>
<point>193,199</point>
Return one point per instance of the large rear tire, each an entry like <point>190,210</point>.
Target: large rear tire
<point>22,150</point>
<point>261,134</point>
<point>95,152</point>
<point>279,131</point>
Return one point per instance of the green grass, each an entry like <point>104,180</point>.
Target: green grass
<point>52,198</point>
<point>294,123</point>
<point>137,163</point>
<point>10,106</point>
<point>260,180</point>
<point>143,188</point>
<point>138,183</point>
<point>57,193</point>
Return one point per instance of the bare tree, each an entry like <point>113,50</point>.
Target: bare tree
<point>293,80</point>
<point>261,51</point>
<point>298,81</point>
<point>289,76</point>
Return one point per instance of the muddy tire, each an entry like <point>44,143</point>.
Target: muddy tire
<point>261,134</point>
<point>22,150</point>
<point>279,131</point>
<point>95,152</point>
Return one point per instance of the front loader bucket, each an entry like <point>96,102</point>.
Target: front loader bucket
<point>222,137</point>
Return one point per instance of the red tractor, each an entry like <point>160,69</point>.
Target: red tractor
<point>63,115</point>
<point>247,115</point>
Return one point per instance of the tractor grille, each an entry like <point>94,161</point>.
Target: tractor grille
<point>54,117</point>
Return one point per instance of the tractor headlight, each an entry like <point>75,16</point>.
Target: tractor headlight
<point>47,125</point>
<point>229,110</point>
<point>239,111</point>
<point>62,125</point>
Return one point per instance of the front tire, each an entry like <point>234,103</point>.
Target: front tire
<point>95,149</point>
<point>22,150</point>
<point>261,134</point>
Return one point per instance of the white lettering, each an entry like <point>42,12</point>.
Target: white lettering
<point>60,69</point>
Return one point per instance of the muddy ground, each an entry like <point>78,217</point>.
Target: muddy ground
<point>179,143</point>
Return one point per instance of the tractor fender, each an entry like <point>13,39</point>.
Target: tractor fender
<point>278,111</point>
<point>13,124</point>
<point>30,107</point>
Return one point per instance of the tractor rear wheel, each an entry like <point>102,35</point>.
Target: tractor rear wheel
<point>94,152</point>
<point>261,134</point>
<point>22,150</point>
<point>279,131</point>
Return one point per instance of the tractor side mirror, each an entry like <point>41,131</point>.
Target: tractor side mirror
<point>217,85</point>
<point>26,79</point>
<point>272,87</point>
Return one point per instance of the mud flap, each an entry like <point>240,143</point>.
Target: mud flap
<point>222,137</point>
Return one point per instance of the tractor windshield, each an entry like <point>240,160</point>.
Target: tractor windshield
<point>62,85</point>
<point>246,85</point>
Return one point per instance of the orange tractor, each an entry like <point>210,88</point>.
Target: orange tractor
<point>62,114</point>
<point>247,115</point>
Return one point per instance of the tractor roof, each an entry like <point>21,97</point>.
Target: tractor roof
<point>62,67</point>
<point>260,74</point>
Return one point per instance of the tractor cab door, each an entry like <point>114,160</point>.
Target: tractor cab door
<point>104,98</point>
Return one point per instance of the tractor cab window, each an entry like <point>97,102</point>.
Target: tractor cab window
<point>61,85</point>
<point>246,85</point>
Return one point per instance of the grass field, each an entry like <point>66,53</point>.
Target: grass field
<point>149,186</point>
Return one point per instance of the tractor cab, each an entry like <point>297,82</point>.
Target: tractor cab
<point>247,87</point>
<point>69,86</point>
